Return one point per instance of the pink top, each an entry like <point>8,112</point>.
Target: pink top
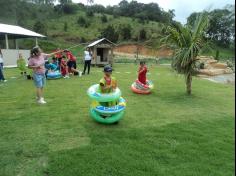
<point>38,61</point>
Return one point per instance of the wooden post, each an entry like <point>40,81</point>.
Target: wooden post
<point>112,56</point>
<point>36,41</point>
<point>16,43</point>
<point>7,44</point>
<point>95,54</point>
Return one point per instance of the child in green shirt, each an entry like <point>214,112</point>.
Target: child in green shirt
<point>107,84</point>
<point>21,64</point>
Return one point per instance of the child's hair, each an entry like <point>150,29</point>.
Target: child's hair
<point>142,62</point>
<point>34,51</point>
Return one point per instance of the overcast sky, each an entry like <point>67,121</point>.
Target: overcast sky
<point>183,8</point>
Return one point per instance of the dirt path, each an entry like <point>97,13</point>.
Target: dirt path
<point>142,50</point>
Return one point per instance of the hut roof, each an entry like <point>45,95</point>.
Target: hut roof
<point>99,41</point>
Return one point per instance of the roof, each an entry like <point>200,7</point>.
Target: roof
<point>16,32</point>
<point>99,41</point>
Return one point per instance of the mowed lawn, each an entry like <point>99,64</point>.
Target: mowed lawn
<point>166,133</point>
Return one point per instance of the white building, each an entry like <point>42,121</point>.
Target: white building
<point>8,32</point>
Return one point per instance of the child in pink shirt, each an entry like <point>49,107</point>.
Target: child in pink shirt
<point>37,62</point>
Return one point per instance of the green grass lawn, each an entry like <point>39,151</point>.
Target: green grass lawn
<point>166,133</point>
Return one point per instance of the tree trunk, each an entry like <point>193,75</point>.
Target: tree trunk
<point>189,84</point>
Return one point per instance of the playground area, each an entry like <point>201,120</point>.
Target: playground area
<point>166,132</point>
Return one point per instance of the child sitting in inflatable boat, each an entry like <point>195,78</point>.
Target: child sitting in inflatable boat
<point>107,84</point>
<point>142,71</point>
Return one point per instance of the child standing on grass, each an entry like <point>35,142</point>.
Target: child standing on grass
<point>37,63</point>
<point>142,71</point>
<point>21,64</point>
<point>107,84</point>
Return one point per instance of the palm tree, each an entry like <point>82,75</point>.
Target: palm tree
<point>188,42</point>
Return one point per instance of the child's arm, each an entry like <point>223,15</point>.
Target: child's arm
<point>114,84</point>
<point>104,88</point>
<point>142,70</point>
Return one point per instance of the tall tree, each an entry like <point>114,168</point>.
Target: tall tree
<point>63,2</point>
<point>188,43</point>
<point>221,25</point>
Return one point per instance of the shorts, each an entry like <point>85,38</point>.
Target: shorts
<point>39,80</point>
<point>71,64</point>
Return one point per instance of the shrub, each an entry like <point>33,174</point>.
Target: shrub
<point>104,18</point>
<point>83,22</point>
<point>40,27</point>
<point>65,27</point>
<point>217,55</point>
<point>69,8</point>
<point>89,13</point>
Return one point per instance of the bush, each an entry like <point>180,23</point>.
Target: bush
<point>217,55</point>
<point>110,33</point>
<point>142,34</point>
<point>65,27</point>
<point>125,32</point>
<point>104,18</point>
<point>89,13</point>
<point>40,27</point>
<point>69,8</point>
<point>83,22</point>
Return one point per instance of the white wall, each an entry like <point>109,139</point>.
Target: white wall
<point>10,56</point>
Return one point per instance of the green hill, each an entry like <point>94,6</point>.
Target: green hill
<point>72,24</point>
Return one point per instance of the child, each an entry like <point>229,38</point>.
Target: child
<point>107,84</point>
<point>71,62</point>
<point>37,64</point>
<point>64,68</point>
<point>142,72</point>
<point>21,64</point>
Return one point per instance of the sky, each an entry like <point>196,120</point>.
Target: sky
<point>183,8</point>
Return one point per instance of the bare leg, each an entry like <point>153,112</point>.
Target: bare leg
<point>39,93</point>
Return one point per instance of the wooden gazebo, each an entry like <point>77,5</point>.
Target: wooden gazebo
<point>102,51</point>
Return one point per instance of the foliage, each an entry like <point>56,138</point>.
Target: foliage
<point>217,55</point>
<point>104,18</point>
<point>63,2</point>
<point>125,32</point>
<point>65,26</point>
<point>150,11</point>
<point>69,8</point>
<point>188,43</point>
<point>110,33</point>
<point>40,27</point>
<point>89,13</point>
<point>142,34</point>
<point>83,22</point>
<point>221,25</point>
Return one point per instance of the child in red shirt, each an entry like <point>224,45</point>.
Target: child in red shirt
<point>142,72</point>
<point>64,68</point>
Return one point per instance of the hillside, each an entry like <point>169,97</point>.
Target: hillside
<point>80,26</point>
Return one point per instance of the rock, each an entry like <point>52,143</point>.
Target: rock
<point>219,65</point>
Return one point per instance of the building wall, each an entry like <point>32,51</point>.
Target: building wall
<point>10,56</point>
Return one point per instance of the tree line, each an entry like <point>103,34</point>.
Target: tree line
<point>221,29</point>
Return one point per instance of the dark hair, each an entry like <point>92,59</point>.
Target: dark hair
<point>34,51</point>
<point>142,62</point>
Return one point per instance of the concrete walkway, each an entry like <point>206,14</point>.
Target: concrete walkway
<point>224,79</point>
